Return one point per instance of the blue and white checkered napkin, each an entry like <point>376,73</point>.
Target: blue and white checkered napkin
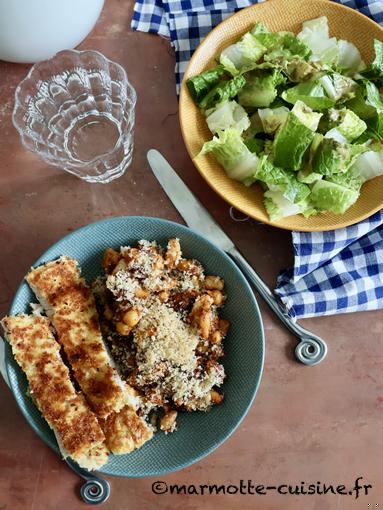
<point>334,272</point>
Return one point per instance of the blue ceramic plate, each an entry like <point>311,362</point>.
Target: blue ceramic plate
<point>199,433</point>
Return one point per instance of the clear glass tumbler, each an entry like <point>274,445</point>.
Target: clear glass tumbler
<point>76,111</point>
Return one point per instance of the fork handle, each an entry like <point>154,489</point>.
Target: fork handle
<point>311,349</point>
<point>95,490</point>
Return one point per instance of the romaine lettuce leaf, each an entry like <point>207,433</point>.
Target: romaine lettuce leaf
<point>298,70</point>
<point>255,145</point>
<point>338,87</point>
<point>306,175</point>
<point>349,57</point>
<point>259,28</point>
<point>223,91</point>
<point>280,46</point>
<point>227,114</point>
<point>374,129</point>
<point>305,114</point>
<point>360,106</point>
<point>312,93</point>
<point>318,25</point>
<point>350,126</point>
<point>329,196</point>
<point>378,60</point>
<point>278,101</point>
<point>255,127</point>
<point>374,71</point>
<point>315,35</point>
<point>272,118</point>
<point>375,125</point>
<point>231,152</point>
<point>260,89</point>
<point>333,157</point>
<point>278,179</point>
<point>243,55</point>
<point>334,134</point>
<point>296,47</point>
<point>345,125</point>
<point>278,206</point>
<point>288,54</point>
<point>367,101</point>
<point>268,147</point>
<point>291,142</point>
<point>374,145</point>
<point>347,179</point>
<point>368,165</point>
<point>373,97</point>
<point>283,47</point>
<point>268,39</point>
<point>200,85</point>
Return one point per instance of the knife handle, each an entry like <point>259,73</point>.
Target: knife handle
<point>311,349</point>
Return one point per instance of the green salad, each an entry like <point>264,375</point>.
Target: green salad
<point>300,114</point>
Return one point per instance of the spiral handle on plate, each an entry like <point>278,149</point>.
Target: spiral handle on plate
<point>95,491</point>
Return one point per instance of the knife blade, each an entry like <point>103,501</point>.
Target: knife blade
<point>189,207</point>
<point>311,349</point>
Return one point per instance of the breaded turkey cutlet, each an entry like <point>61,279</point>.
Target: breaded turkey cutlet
<point>76,427</point>
<point>70,304</point>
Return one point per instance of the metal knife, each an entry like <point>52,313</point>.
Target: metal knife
<point>311,349</point>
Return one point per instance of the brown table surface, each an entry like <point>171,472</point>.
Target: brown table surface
<point>306,424</point>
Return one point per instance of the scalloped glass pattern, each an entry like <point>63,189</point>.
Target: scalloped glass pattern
<point>76,111</point>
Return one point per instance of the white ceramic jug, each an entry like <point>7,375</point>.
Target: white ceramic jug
<point>33,30</point>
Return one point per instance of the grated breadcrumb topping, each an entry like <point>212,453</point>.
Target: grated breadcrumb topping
<point>162,324</point>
